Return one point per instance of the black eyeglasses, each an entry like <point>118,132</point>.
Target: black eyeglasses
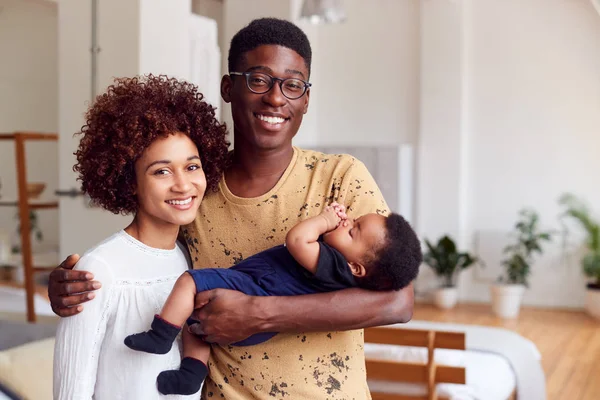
<point>260,83</point>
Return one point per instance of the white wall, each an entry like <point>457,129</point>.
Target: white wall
<point>368,74</point>
<point>174,56</point>
<point>212,9</point>
<point>529,130</point>
<point>28,102</point>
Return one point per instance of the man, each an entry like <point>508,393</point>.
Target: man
<point>269,186</point>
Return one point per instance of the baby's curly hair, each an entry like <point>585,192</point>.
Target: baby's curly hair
<point>395,264</point>
<point>126,119</point>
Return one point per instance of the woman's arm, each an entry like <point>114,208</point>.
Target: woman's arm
<point>231,316</point>
<point>79,339</point>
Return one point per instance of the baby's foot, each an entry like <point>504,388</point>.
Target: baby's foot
<point>157,340</point>
<point>186,380</point>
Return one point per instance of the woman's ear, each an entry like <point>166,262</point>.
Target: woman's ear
<point>357,269</point>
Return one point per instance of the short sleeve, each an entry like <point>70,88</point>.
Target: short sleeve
<point>333,272</point>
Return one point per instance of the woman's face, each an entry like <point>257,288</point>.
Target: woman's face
<point>170,181</point>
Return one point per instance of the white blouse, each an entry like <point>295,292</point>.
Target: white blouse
<point>90,358</point>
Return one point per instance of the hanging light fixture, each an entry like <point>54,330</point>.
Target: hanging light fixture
<point>323,11</point>
<point>596,4</point>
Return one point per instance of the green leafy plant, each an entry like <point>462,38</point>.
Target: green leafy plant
<point>578,211</point>
<point>34,228</point>
<point>446,261</point>
<point>528,241</point>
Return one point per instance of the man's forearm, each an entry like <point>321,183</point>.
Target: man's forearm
<point>339,310</point>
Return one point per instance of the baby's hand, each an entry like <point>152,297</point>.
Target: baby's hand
<point>331,216</point>
<point>340,210</point>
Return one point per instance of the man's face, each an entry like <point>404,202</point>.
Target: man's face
<point>266,121</point>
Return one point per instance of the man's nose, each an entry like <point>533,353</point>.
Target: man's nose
<point>275,96</point>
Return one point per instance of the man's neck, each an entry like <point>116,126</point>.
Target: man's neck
<point>254,172</point>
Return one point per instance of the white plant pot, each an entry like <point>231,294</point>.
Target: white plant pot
<point>445,298</point>
<point>506,300</point>
<point>592,302</point>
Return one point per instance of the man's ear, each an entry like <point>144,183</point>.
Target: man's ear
<point>357,269</point>
<point>226,86</point>
<point>306,101</point>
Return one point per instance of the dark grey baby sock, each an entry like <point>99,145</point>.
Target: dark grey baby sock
<point>157,340</point>
<point>186,380</point>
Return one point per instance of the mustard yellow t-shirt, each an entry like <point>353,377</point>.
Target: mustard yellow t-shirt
<point>228,229</point>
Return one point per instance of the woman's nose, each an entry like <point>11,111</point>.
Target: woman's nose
<point>182,183</point>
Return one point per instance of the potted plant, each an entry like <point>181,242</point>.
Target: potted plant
<point>447,263</point>
<point>508,292</point>
<point>577,210</point>
<point>34,230</point>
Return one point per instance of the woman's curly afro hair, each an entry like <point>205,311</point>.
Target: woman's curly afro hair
<point>125,120</point>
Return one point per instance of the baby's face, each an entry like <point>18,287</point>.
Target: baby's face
<point>356,238</point>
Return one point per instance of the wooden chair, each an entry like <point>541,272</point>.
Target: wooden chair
<point>409,372</point>
<point>428,373</point>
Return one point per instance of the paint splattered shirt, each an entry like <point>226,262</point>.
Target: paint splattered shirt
<point>228,229</point>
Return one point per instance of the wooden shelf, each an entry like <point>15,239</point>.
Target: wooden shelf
<point>29,136</point>
<point>25,206</point>
<point>32,205</point>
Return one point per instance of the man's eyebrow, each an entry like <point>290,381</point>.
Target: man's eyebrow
<point>194,157</point>
<point>295,72</point>
<point>260,68</point>
<point>270,71</point>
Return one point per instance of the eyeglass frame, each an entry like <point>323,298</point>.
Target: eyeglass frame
<point>274,79</point>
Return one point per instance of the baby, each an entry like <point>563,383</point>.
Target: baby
<point>323,253</point>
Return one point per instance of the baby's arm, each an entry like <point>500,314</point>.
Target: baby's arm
<point>301,240</point>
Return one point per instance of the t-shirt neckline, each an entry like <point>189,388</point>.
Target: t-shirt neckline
<point>253,200</point>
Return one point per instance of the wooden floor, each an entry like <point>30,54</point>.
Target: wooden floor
<point>568,340</point>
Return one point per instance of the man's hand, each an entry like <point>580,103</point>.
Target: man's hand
<point>67,289</point>
<point>226,316</point>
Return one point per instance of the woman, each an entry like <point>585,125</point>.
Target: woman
<point>150,147</point>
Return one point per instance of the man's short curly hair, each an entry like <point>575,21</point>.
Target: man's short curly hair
<point>125,120</point>
<point>395,264</point>
<point>268,31</point>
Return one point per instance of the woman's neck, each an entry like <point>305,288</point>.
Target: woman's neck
<point>152,233</point>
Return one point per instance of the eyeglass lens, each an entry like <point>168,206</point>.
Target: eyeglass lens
<point>262,83</point>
